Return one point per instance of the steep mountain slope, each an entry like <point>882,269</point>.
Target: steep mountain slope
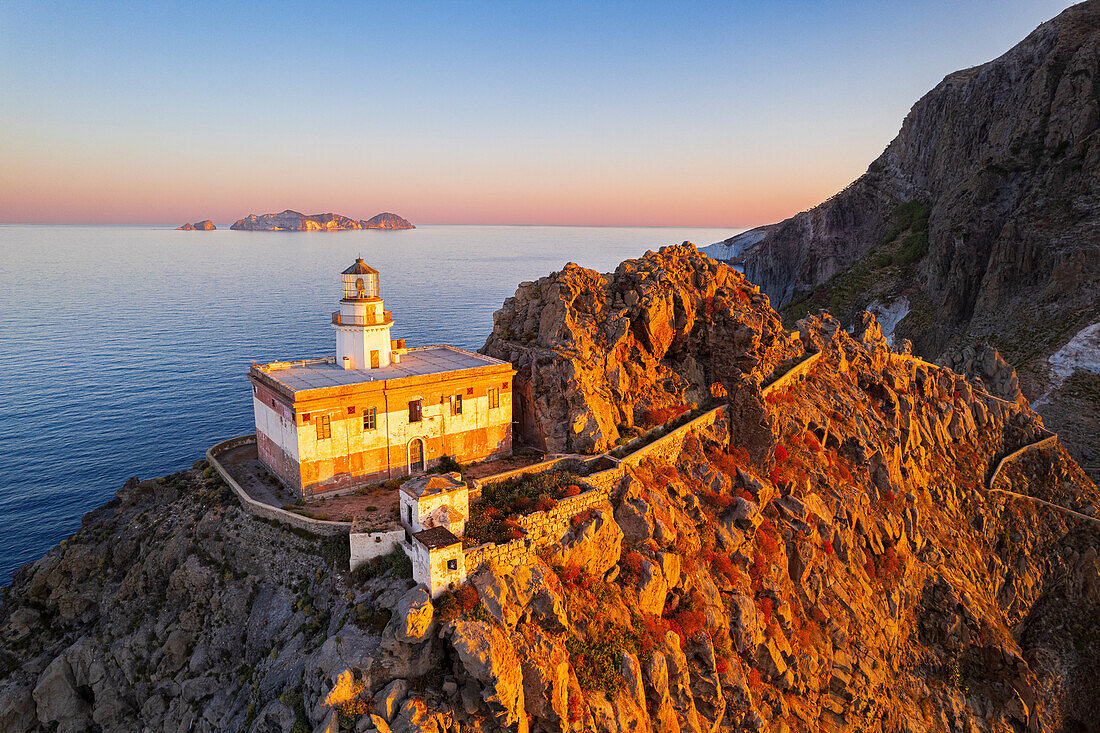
<point>981,220</point>
<point>851,572</point>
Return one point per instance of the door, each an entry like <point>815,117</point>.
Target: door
<point>374,358</point>
<point>416,456</point>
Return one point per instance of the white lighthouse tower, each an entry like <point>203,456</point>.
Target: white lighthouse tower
<point>362,326</point>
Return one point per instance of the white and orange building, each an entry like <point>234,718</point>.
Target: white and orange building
<point>377,410</point>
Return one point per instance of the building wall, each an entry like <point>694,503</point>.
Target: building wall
<point>352,455</point>
<point>459,499</point>
<point>366,546</point>
<point>276,434</point>
<point>430,567</point>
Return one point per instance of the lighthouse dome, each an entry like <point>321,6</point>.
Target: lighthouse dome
<point>361,282</point>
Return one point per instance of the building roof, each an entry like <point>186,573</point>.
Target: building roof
<point>436,537</point>
<point>360,268</point>
<point>298,376</point>
<point>433,484</point>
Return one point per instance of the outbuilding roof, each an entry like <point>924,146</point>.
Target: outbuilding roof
<point>360,268</point>
<point>433,484</point>
<point>436,537</point>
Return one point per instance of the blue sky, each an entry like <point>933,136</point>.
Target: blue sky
<point>713,114</point>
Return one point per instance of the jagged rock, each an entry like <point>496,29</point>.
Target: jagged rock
<point>525,590</point>
<point>58,699</point>
<point>412,619</point>
<point>556,332</point>
<point>652,588</point>
<point>486,656</point>
<point>595,545</point>
<point>388,701</point>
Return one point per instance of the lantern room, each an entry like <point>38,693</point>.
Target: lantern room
<point>361,282</point>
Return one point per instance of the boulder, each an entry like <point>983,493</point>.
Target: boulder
<point>488,657</point>
<point>58,700</point>
<point>388,701</point>
<point>595,545</point>
<point>411,622</point>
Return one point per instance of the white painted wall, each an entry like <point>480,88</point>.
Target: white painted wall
<point>356,342</point>
<point>430,567</point>
<point>274,426</point>
<point>366,546</point>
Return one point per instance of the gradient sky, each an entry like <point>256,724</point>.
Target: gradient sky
<point>634,113</point>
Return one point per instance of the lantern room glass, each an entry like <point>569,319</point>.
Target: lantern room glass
<point>361,286</point>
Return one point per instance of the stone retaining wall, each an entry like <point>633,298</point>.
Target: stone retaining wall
<point>266,511</point>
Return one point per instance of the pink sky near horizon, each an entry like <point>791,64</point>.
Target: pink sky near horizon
<point>730,114</point>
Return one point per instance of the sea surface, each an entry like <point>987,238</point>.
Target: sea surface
<point>124,350</point>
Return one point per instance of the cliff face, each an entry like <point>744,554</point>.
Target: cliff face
<point>981,220</point>
<point>595,354</point>
<point>293,221</point>
<point>851,572</point>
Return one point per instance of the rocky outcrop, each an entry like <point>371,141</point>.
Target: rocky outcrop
<point>983,212</point>
<point>204,226</point>
<point>596,354</point>
<point>293,221</point>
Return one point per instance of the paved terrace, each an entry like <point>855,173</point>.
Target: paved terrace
<point>377,504</point>
<point>309,374</point>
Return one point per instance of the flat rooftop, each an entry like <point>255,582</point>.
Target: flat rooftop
<point>298,376</point>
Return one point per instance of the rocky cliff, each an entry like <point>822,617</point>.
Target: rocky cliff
<point>293,221</point>
<point>851,572</point>
<point>980,221</point>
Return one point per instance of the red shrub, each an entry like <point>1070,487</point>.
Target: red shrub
<point>578,519</point>
<point>467,598</point>
<point>772,629</point>
<point>570,574</point>
<point>725,566</point>
<point>632,563</point>
<point>721,666</point>
<point>827,546</point>
<point>689,623</point>
<point>780,453</point>
<point>545,504</point>
<point>755,683</point>
<point>756,573</point>
<point>492,513</point>
<point>766,537</point>
<point>766,606</point>
<point>515,533</point>
<point>572,490</point>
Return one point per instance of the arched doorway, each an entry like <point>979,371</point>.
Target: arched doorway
<point>416,455</point>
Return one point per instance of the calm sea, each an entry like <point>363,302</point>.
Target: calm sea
<point>123,350</point>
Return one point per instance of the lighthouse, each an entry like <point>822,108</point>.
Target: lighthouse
<point>362,326</point>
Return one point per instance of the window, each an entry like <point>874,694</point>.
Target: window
<point>324,427</point>
<point>452,564</point>
<point>370,418</point>
<point>408,513</point>
<point>494,398</point>
<point>456,404</point>
<point>416,414</point>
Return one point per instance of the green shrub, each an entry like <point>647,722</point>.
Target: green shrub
<point>396,563</point>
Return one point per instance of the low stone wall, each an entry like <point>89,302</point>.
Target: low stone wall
<point>266,511</point>
<point>366,546</point>
<point>533,468</point>
<point>793,374</point>
<point>1049,440</point>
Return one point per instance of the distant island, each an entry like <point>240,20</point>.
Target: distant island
<point>293,221</point>
<point>203,226</point>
